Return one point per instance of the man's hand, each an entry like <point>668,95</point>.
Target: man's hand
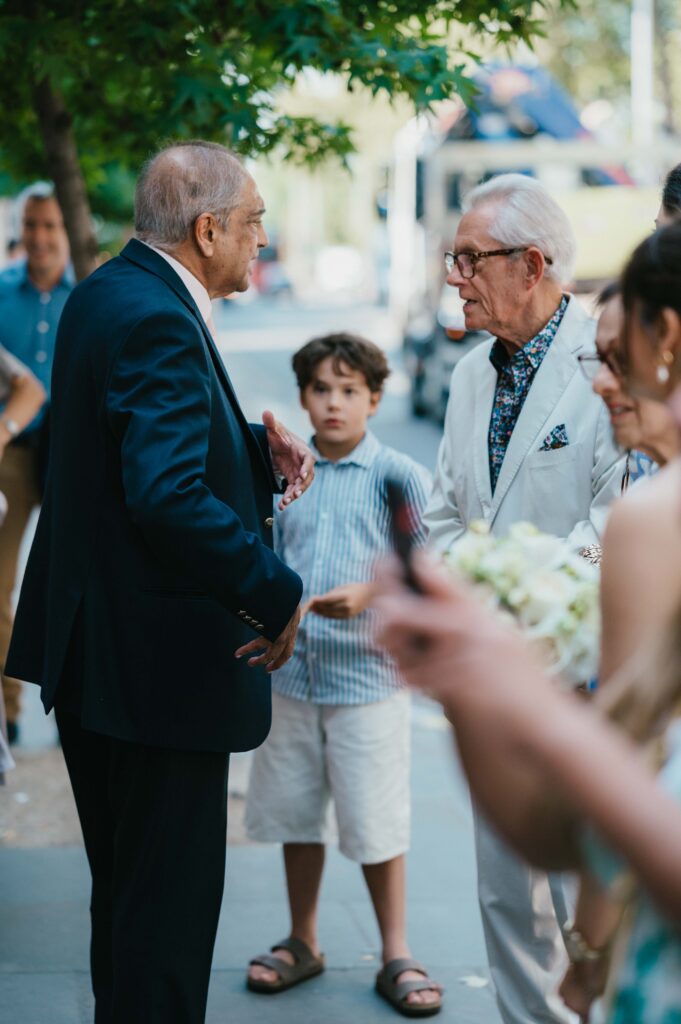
<point>342,602</point>
<point>291,457</point>
<point>274,654</point>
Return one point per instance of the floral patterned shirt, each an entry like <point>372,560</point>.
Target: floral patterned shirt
<point>514,378</point>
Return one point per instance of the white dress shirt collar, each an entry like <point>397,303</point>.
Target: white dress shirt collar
<point>192,284</point>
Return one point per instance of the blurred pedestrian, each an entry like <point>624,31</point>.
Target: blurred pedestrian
<point>525,439</point>
<point>151,564</point>
<point>33,292</point>
<point>22,396</point>
<point>341,715</point>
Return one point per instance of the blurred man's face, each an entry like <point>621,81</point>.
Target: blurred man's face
<point>44,237</point>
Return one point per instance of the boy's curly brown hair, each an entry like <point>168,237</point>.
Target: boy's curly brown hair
<point>345,350</point>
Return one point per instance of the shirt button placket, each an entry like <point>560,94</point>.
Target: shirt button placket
<point>315,585</point>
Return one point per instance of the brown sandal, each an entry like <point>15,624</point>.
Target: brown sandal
<point>306,966</point>
<point>396,992</point>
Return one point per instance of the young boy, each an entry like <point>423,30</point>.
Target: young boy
<point>340,715</point>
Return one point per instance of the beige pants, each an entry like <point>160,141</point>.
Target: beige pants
<point>523,910</point>
<point>18,482</point>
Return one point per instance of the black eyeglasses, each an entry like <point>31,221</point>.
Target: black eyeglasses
<point>591,363</point>
<point>467,262</point>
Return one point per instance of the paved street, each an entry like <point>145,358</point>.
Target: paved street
<point>43,876</point>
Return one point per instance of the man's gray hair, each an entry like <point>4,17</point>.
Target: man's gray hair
<point>525,214</point>
<point>180,183</point>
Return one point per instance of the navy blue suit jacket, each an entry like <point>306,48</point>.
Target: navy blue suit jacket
<point>153,546</point>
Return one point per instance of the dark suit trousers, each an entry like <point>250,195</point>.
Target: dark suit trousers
<point>154,823</point>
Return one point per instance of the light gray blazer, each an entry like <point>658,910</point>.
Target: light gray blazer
<point>565,491</point>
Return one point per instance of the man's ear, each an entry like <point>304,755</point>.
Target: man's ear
<point>303,400</point>
<point>205,230</point>
<point>535,265</point>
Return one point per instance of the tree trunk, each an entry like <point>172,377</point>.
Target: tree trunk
<point>62,156</point>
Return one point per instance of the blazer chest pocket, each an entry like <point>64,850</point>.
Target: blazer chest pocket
<point>555,458</point>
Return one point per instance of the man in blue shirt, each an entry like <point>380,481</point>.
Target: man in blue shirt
<point>32,295</point>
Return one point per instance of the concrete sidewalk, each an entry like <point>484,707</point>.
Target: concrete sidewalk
<point>44,922</point>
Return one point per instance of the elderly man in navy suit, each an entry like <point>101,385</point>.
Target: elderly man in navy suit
<point>151,568</point>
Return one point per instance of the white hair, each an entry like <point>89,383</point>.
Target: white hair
<point>179,184</point>
<point>525,214</point>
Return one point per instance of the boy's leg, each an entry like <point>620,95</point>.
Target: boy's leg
<point>304,863</point>
<point>368,756</point>
<point>288,799</point>
<point>387,888</point>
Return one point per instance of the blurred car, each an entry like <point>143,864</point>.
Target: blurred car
<point>433,345</point>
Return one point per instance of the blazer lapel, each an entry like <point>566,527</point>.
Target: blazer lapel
<point>139,253</point>
<point>557,369</point>
<point>484,399</point>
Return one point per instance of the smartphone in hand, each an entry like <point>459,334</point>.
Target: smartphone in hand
<point>402,525</point>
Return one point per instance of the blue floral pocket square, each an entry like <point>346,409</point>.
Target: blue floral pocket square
<point>556,439</point>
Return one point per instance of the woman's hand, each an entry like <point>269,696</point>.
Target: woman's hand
<point>583,984</point>
<point>446,642</point>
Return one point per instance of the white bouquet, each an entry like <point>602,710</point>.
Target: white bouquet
<point>543,585</point>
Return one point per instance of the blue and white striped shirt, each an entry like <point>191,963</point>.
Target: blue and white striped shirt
<point>334,535</point>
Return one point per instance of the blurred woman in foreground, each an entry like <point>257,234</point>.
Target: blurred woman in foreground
<point>561,783</point>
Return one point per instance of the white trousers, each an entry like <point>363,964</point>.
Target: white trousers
<point>523,910</point>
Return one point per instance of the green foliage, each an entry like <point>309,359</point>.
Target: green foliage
<point>590,55</point>
<point>134,73</point>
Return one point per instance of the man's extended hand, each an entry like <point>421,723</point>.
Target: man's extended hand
<point>274,654</point>
<point>291,457</point>
<point>342,602</point>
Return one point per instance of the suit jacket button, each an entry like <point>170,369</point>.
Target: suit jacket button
<point>269,521</point>
<point>260,627</point>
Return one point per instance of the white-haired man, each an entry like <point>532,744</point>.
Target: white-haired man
<point>524,439</point>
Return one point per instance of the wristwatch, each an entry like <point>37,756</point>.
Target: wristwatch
<point>578,949</point>
<point>11,425</point>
